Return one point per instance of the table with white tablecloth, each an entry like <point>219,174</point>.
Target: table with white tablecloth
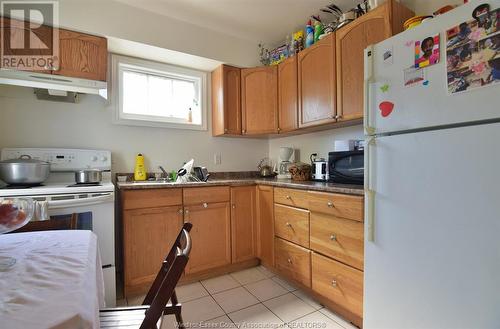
<point>56,282</point>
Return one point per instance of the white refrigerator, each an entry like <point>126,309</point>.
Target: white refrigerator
<point>432,216</point>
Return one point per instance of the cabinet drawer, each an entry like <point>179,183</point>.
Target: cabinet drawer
<point>197,195</point>
<point>290,197</point>
<point>292,224</point>
<point>339,205</point>
<point>338,238</point>
<point>340,283</point>
<point>293,261</point>
<point>151,198</point>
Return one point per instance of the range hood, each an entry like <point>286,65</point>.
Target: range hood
<point>55,84</point>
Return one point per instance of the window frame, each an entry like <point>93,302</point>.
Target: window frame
<point>123,63</point>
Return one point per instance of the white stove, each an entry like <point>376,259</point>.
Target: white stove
<point>93,204</point>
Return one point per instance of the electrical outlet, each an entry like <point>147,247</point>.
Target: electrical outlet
<point>217,158</point>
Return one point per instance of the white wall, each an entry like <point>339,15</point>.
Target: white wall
<point>28,122</point>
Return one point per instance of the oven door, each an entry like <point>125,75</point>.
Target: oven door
<point>346,167</point>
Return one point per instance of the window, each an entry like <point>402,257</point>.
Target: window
<point>158,95</point>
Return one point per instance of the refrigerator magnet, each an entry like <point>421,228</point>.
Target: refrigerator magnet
<point>386,108</point>
<point>388,56</point>
<point>427,51</point>
<point>384,88</point>
<point>413,76</point>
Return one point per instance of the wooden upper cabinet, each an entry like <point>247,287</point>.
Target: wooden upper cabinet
<point>81,56</point>
<point>259,100</point>
<point>287,95</point>
<point>265,224</point>
<point>351,41</point>
<point>226,101</point>
<point>316,83</point>
<point>243,225</point>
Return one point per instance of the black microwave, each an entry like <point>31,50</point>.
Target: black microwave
<point>346,167</point>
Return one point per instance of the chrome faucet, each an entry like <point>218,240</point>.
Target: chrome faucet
<point>165,173</point>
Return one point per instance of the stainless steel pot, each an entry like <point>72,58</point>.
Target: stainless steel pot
<point>88,176</point>
<point>24,171</point>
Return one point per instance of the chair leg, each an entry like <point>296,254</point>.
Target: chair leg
<point>178,315</point>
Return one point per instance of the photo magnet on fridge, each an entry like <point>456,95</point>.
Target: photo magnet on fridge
<point>427,51</point>
<point>413,75</point>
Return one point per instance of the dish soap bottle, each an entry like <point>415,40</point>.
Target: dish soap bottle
<point>309,34</point>
<point>139,172</point>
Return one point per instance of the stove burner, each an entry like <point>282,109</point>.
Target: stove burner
<point>85,184</point>
<point>20,187</point>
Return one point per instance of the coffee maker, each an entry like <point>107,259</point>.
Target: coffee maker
<point>286,154</point>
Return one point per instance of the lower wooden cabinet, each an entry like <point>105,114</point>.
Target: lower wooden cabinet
<point>243,226</point>
<point>341,284</point>
<point>265,224</point>
<point>210,235</point>
<point>148,235</point>
<point>293,261</point>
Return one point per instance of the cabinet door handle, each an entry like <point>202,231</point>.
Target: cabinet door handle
<point>186,211</point>
<point>333,237</point>
<point>288,224</point>
<point>233,206</point>
<point>205,205</point>
<point>334,282</point>
<point>181,211</point>
<point>288,197</point>
<point>330,204</point>
<point>289,261</point>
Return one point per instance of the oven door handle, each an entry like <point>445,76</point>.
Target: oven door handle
<point>81,202</point>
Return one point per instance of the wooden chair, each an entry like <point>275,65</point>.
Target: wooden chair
<point>155,304</point>
<point>66,223</point>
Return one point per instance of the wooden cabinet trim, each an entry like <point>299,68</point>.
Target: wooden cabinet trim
<point>288,95</point>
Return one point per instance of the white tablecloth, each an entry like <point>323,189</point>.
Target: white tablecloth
<point>57,281</point>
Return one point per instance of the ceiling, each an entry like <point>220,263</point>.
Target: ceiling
<point>267,21</point>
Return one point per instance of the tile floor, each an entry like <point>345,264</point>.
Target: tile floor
<point>252,298</point>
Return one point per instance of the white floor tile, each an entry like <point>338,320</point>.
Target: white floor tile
<point>190,291</point>
<point>222,322</point>
<point>267,273</point>
<point>266,289</point>
<point>235,299</point>
<point>201,309</point>
<point>289,307</point>
<point>344,323</point>
<point>248,276</point>
<point>220,283</point>
<point>315,320</point>
<point>285,284</point>
<point>306,298</point>
<point>136,300</point>
<point>257,316</point>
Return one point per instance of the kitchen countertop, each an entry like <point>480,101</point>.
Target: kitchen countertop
<point>287,183</point>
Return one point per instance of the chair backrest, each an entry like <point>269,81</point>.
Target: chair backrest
<point>174,267</point>
<point>60,223</point>
<point>166,263</point>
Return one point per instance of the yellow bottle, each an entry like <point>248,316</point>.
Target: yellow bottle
<point>140,171</point>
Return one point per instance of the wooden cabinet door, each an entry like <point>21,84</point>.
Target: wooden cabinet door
<point>243,226</point>
<point>226,101</point>
<point>287,95</point>
<point>210,235</point>
<point>351,43</point>
<point>82,56</point>
<point>265,225</point>
<point>148,235</point>
<point>259,100</point>
<point>316,83</point>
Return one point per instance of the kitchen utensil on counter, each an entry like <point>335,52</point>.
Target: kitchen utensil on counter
<point>24,171</point>
<point>319,168</point>
<point>286,154</point>
<point>184,174</point>
<point>88,176</point>
<point>140,170</point>
<point>266,168</point>
<point>201,173</point>
<point>300,171</point>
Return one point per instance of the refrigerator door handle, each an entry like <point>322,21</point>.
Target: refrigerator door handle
<point>366,91</point>
<point>369,192</point>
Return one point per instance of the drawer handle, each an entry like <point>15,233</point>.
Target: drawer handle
<point>205,205</point>
<point>334,283</point>
<point>288,224</point>
<point>330,204</point>
<point>289,261</point>
<point>333,237</point>
<point>288,197</point>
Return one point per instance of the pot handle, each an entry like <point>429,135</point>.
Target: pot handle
<point>25,157</point>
